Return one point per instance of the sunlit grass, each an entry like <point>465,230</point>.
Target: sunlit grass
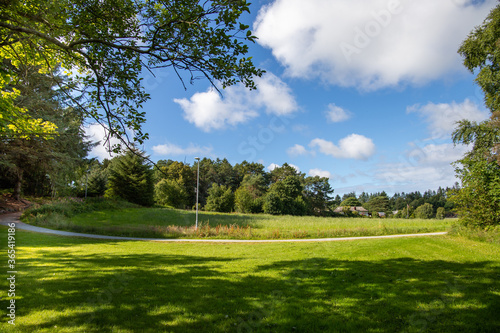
<point>439,284</point>
<point>171,223</point>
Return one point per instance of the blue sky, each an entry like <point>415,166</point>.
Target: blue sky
<point>365,92</point>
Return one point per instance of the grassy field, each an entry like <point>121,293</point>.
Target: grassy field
<point>435,284</point>
<point>172,223</point>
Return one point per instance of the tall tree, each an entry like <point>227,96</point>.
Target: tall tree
<point>317,194</point>
<point>131,179</point>
<point>48,162</point>
<point>107,45</point>
<point>478,201</point>
<point>285,197</point>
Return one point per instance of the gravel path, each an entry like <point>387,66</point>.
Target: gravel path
<point>14,217</point>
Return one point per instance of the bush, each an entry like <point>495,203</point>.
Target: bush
<point>440,213</point>
<point>170,193</point>
<point>426,211</point>
<point>243,200</point>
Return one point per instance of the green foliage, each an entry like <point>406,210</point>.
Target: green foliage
<point>317,193</point>
<point>378,204</point>
<point>440,213</point>
<point>220,199</point>
<point>71,207</point>
<point>350,202</point>
<point>181,177</point>
<point>478,201</point>
<point>131,179</point>
<point>39,166</point>
<point>426,211</point>
<point>243,200</point>
<point>111,43</point>
<point>169,192</point>
<point>285,197</point>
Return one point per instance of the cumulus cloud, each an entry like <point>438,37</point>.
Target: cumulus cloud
<point>422,167</point>
<point>97,133</point>
<point>273,166</point>
<point>369,44</point>
<point>442,118</point>
<point>209,111</point>
<point>170,149</point>
<point>320,173</point>
<point>354,146</point>
<point>336,114</point>
<point>297,150</point>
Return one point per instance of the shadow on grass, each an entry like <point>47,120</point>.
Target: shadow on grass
<point>109,292</point>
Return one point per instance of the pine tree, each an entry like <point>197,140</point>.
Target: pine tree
<point>131,179</point>
<point>41,164</point>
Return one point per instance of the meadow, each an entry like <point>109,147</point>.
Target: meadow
<point>174,223</point>
<point>435,284</point>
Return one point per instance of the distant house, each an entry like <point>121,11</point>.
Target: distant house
<point>360,210</point>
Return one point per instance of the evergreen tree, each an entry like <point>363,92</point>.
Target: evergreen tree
<point>44,165</point>
<point>131,179</point>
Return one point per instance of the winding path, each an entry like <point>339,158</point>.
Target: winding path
<point>14,218</point>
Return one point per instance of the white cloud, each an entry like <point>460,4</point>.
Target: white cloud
<point>369,44</point>
<point>336,114</point>
<point>97,133</point>
<point>422,168</point>
<point>171,149</point>
<point>442,118</point>
<point>353,146</point>
<point>208,111</point>
<point>272,166</point>
<point>297,150</point>
<point>320,173</point>
<point>274,95</point>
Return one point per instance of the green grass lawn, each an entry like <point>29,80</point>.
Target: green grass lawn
<point>172,223</point>
<point>436,284</point>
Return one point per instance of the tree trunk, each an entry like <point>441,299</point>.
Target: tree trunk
<point>18,186</point>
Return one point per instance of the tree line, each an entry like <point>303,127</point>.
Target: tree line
<point>245,187</point>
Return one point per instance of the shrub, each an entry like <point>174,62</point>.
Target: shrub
<point>440,213</point>
<point>170,193</point>
<point>426,211</point>
<point>243,200</point>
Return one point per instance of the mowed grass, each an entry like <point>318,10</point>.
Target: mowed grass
<point>172,223</point>
<point>435,284</point>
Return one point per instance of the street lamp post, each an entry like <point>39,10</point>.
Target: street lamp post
<point>197,189</point>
